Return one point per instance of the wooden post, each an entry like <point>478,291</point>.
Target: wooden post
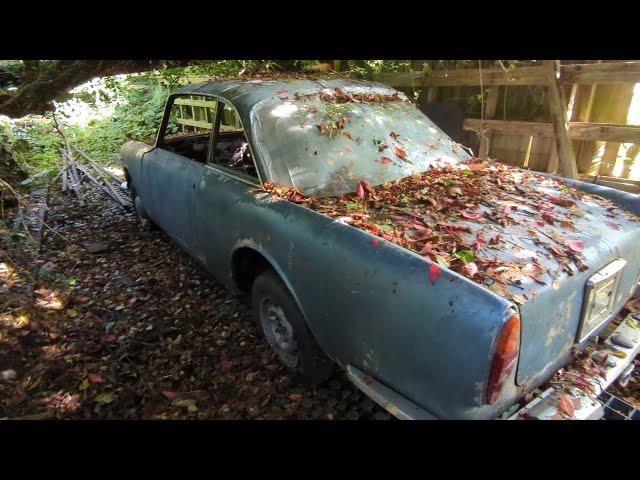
<point>558,109</point>
<point>489,112</point>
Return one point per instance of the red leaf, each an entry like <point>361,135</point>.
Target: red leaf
<point>227,365</point>
<point>272,367</point>
<point>471,215</point>
<point>95,378</point>
<point>427,248</point>
<point>375,242</point>
<point>549,217</point>
<point>283,91</point>
<point>576,245</point>
<point>108,338</point>
<point>400,153</point>
<point>565,406</point>
<point>537,224</point>
<point>339,91</point>
<point>385,161</point>
<point>564,202</point>
<point>360,191</point>
<point>169,395</point>
<point>613,225</point>
<point>295,396</point>
<point>434,273</point>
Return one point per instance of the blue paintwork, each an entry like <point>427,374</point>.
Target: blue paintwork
<point>370,307</point>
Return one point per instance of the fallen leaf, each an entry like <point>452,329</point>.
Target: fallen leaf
<point>95,378</point>
<point>168,394</point>
<point>434,273</point>
<point>295,396</point>
<point>565,406</point>
<point>105,398</point>
<point>227,365</point>
<point>576,245</point>
<point>471,215</point>
<point>108,338</point>
<point>385,161</point>
<point>375,242</point>
<point>470,269</point>
<point>613,225</point>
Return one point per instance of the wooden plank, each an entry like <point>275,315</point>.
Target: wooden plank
<point>489,113</point>
<point>600,73</point>
<point>197,103</point>
<point>193,123</point>
<point>577,130</point>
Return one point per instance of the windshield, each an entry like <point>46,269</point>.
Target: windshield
<point>323,143</point>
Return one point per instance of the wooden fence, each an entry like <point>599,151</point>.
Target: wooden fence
<point>566,144</point>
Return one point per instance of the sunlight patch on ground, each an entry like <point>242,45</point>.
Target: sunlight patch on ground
<point>49,300</point>
<point>116,171</point>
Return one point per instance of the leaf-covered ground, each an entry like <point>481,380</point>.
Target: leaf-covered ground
<point>139,331</point>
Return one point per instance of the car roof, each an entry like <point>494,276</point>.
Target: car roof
<point>245,93</point>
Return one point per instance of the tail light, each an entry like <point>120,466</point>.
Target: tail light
<point>504,359</point>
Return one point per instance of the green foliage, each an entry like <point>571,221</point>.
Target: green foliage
<point>137,102</point>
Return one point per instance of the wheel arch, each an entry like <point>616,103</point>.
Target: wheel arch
<point>248,260</point>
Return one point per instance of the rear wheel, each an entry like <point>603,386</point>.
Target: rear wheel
<point>286,331</point>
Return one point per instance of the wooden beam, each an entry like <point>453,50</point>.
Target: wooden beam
<point>601,73</point>
<point>193,123</point>
<point>583,74</point>
<point>577,130</point>
<point>197,103</point>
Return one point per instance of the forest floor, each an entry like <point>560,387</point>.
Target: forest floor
<point>139,331</point>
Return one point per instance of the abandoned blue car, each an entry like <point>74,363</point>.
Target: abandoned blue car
<point>445,286</point>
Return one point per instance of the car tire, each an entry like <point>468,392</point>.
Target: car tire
<point>286,331</point>
<point>138,208</point>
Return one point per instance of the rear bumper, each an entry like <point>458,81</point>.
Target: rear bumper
<point>592,404</point>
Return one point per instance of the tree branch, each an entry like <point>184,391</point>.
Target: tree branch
<point>38,86</point>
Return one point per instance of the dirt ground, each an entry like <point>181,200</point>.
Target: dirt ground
<point>139,331</point>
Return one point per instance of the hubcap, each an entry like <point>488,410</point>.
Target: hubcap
<point>279,331</point>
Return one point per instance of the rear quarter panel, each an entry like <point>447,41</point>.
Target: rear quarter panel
<point>375,308</point>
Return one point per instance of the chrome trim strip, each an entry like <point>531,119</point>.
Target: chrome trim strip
<point>395,404</point>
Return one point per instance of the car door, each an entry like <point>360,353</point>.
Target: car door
<point>224,202</point>
<point>173,169</point>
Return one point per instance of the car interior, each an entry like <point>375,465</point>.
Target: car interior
<point>231,149</point>
<point>190,123</point>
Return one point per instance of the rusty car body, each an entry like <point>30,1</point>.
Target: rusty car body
<point>421,349</point>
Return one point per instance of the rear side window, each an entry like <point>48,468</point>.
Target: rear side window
<point>230,122</point>
<point>231,150</point>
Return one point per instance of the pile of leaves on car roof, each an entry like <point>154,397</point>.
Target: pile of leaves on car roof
<point>458,216</point>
